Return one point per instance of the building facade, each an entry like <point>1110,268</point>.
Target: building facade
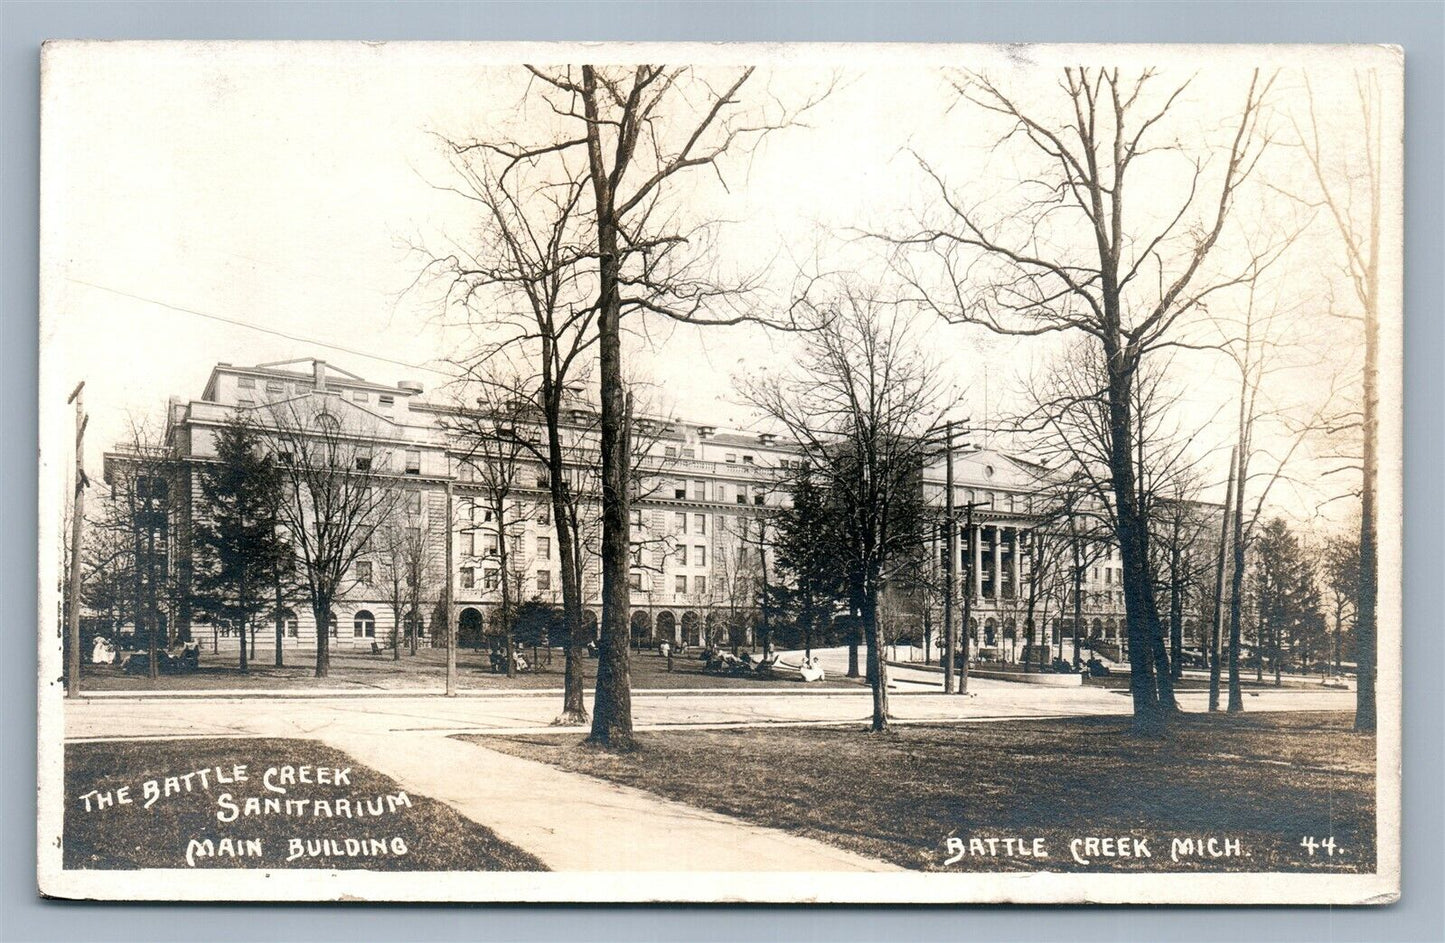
<point>699,521</point>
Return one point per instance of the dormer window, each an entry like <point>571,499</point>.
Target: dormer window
<point>359,396</point>
<point>386,401</point>
<point>246,383</point>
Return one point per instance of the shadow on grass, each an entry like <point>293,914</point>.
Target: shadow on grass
<point>1268,780</point>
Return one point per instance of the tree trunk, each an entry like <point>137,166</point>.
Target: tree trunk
<point>242,591</point>
<point>877,667</point>
<point>321,611</point>
<point>612,706</point>
<point>1366,636</point>
<point>245,637</point>
<point>280,624</point>
<point>499,508</point>
<point>1163,673</point>
<point>153,670</point>
<point>1141,614</point>
<point>1259,637</point>
<point>1176,609</point>
<point>574,694</point>
<point>1216,624</point>
<point>414,607</point>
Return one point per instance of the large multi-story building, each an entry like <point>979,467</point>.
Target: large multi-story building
<point>700,545</point>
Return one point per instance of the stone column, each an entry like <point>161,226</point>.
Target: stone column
<point>1016,566</point>
<point>997,562</point>
<point>976,541</point>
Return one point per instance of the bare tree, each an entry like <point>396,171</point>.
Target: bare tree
<point>1183,557</point>
<point>1341,578</point>
<point>641,131</point>
<point>408,559</point>
<point>1351,192</point>
<point>527,285</point>
<point>863,404</point>
<point>339,491</point>
<point>1270,431</point>
<point>494,442</point>
<point>1068,422</point>
<point>737,574</point>
<point>1125,284</point>
<point>107,561</point>
<point>141,477</point>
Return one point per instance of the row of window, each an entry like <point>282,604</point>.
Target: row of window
<point>484,544</point>
<point>385,400</point>
<point>718,491</point>
<point>365,572</point>
<point>363,625</point>
<point>482,513</point>
<point>998,500</point>
<point>491,578</point>
<point>361,460</point>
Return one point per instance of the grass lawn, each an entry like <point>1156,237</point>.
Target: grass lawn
<point>427,669</point>
<point>1268,780</point>
<point>1119,680</point>
<point>422,836</point>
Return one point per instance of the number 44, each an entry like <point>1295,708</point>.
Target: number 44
<point>1310,844</point>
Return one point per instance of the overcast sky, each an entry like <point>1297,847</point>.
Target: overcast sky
<point>277,186</point>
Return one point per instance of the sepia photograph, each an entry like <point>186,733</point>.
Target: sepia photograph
<point>799,473</point>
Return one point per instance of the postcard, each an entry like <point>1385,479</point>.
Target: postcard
<point>720,473</point>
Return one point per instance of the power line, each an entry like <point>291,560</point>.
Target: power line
<point>235,322</point>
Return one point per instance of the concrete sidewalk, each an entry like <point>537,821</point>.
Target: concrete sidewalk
<point>574,822</point>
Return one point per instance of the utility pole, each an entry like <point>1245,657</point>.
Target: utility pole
<point>448,622</point>
<point>77,514</point>
<point>950,544</point>
<point>967,604</point>
<point>1216,627</point>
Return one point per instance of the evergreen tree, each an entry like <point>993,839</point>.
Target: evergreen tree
<point>1287,607</point>
<point>807,553</point>
<point>238,545</point>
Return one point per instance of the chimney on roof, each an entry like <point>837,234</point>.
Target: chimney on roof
<point>319,368</point>
<point>704,432</point>
<point>766,438</point>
